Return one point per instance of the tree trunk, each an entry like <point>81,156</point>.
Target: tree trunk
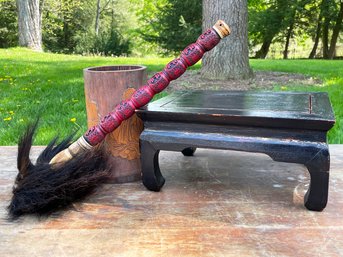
<point>230,59</point>
<point>325,38</point>
<point>335,33</point>
<point>66,34</point>
<point>262,53</point>
<point>288,36</point>
<point>29,24</point>
<point>97,18</point>
<point>316,40</point>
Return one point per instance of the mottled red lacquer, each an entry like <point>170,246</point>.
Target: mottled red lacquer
<point>174,69</point>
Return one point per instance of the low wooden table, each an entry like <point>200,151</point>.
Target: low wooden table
<point>287,126</point>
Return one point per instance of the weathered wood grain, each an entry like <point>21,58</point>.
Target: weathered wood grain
<point>217,203</point>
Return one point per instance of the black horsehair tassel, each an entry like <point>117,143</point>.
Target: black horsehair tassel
<point>63,184</point>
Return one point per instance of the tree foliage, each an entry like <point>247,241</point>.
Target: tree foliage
<point>280,20</point>
<point>170,24</point>
<point>8,24</point>
<point>142,27</point>
<point>69,27</point>
<point>62,21</point>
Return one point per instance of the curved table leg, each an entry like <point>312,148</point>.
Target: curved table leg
<point>189,151</point>
<point>314,155</point>
<point>317,195</point>
<point>318,165</point>
<point>151,174</point>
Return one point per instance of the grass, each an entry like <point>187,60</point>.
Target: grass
<point>51,85</point>
<point>329,71</point>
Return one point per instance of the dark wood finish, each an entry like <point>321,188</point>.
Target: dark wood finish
<point>289,127</point>
<point>284,109</point>
<point>189,151</point>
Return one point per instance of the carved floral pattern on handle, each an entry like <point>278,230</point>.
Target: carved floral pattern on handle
<point>157,83</point>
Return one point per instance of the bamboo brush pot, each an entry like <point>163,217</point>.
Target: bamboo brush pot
<point>105,87</point>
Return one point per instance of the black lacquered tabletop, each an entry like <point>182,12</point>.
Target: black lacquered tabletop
<point>310,110</point>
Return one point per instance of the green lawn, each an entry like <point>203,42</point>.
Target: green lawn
<point>330,72</point>
<point>52,85</point>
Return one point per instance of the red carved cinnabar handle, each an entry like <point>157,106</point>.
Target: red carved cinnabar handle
<point>174,69</point>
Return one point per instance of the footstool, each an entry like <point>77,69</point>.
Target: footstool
<point>287,126</point>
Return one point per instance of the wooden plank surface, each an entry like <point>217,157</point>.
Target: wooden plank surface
<point>217,203</point>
